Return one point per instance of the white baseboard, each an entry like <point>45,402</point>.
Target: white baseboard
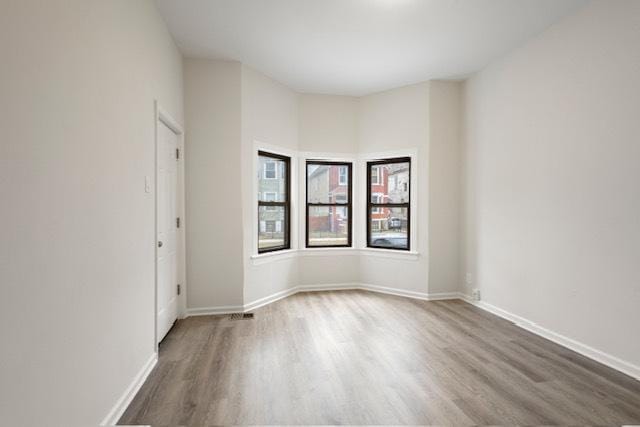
<point>121,405</point>
<point>395,291</point>
<point>441,296</point>
<point>333,287</point>
<point>206,311</point>
<point>294,290</point>
<point>590,352</point>
<point>203,311</point>
<point>268,299</point>
<point>410,294</point>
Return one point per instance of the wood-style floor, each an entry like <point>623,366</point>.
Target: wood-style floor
<point>355,357</point>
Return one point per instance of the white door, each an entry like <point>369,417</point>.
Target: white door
<point>167,295</point>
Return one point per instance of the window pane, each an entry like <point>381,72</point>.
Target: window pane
<point>272,226</point>
<point>272,179</point>
<point>390,182</point>
<point>327,183</point>
<point>328,225</point>
<point>389,227</point>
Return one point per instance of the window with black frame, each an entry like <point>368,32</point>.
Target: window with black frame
<point>329,194</point>
<point>274,185</point>
<point>389,203</point>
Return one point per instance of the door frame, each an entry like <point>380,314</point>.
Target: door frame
<point>163,117</point>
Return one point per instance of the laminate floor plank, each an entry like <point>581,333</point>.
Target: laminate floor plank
<point>357,357</point>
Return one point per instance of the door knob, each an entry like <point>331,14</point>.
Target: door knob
<point>160,243</point>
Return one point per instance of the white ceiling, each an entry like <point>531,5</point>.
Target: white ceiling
<point>355,47</point>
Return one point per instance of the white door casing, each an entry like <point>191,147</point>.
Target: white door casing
<point>166,230</point>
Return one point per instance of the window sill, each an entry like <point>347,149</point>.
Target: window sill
<point>258,259</point>
<point>328,251</point>
<point>273,256</point>
<point>391,253</point>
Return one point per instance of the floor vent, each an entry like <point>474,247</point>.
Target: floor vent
<point>241,316</point>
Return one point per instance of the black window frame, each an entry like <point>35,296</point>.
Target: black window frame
<point>348,204</point>
<point>286,204</point>
<point>371,205</point>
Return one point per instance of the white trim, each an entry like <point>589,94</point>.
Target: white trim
<point>269,299</point>
<point>320,251</point>
<point>391,253</point>
<point>163,116</point>
<point>441,296</point>
<point>398,292</point>
<point>206,311</point>
<point>166,118</point>
<point>329,287</point>
<point>261,302</point>
<point>331,157</point>
<point>590,352</point>
<point>267,257</point>
<point>130,392</point>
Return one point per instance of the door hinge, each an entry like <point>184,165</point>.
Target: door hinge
<point>177,154</point>
<point>178,289</point>
<point>178,222</point>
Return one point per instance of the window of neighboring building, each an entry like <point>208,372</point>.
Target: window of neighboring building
<point>341,198</point>
<point>376,198</point>
<point>270,169</point>
<point>274,184</point>
<point>389,203</point>
<point>270,196</point>
<point>343,178</point>
<point>375,175</point>
<point>329,195</point>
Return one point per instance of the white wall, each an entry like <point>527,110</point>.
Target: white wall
<point>77,87</point>
<point>269,116</point>
<point>213,149</point>
<point>552,179</point>
<point>328,123</point>
<point>398,119</point>
<point>445,121</point>
<point>274,117</point>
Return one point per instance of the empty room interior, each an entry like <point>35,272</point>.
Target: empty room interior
<point>320,212</point>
